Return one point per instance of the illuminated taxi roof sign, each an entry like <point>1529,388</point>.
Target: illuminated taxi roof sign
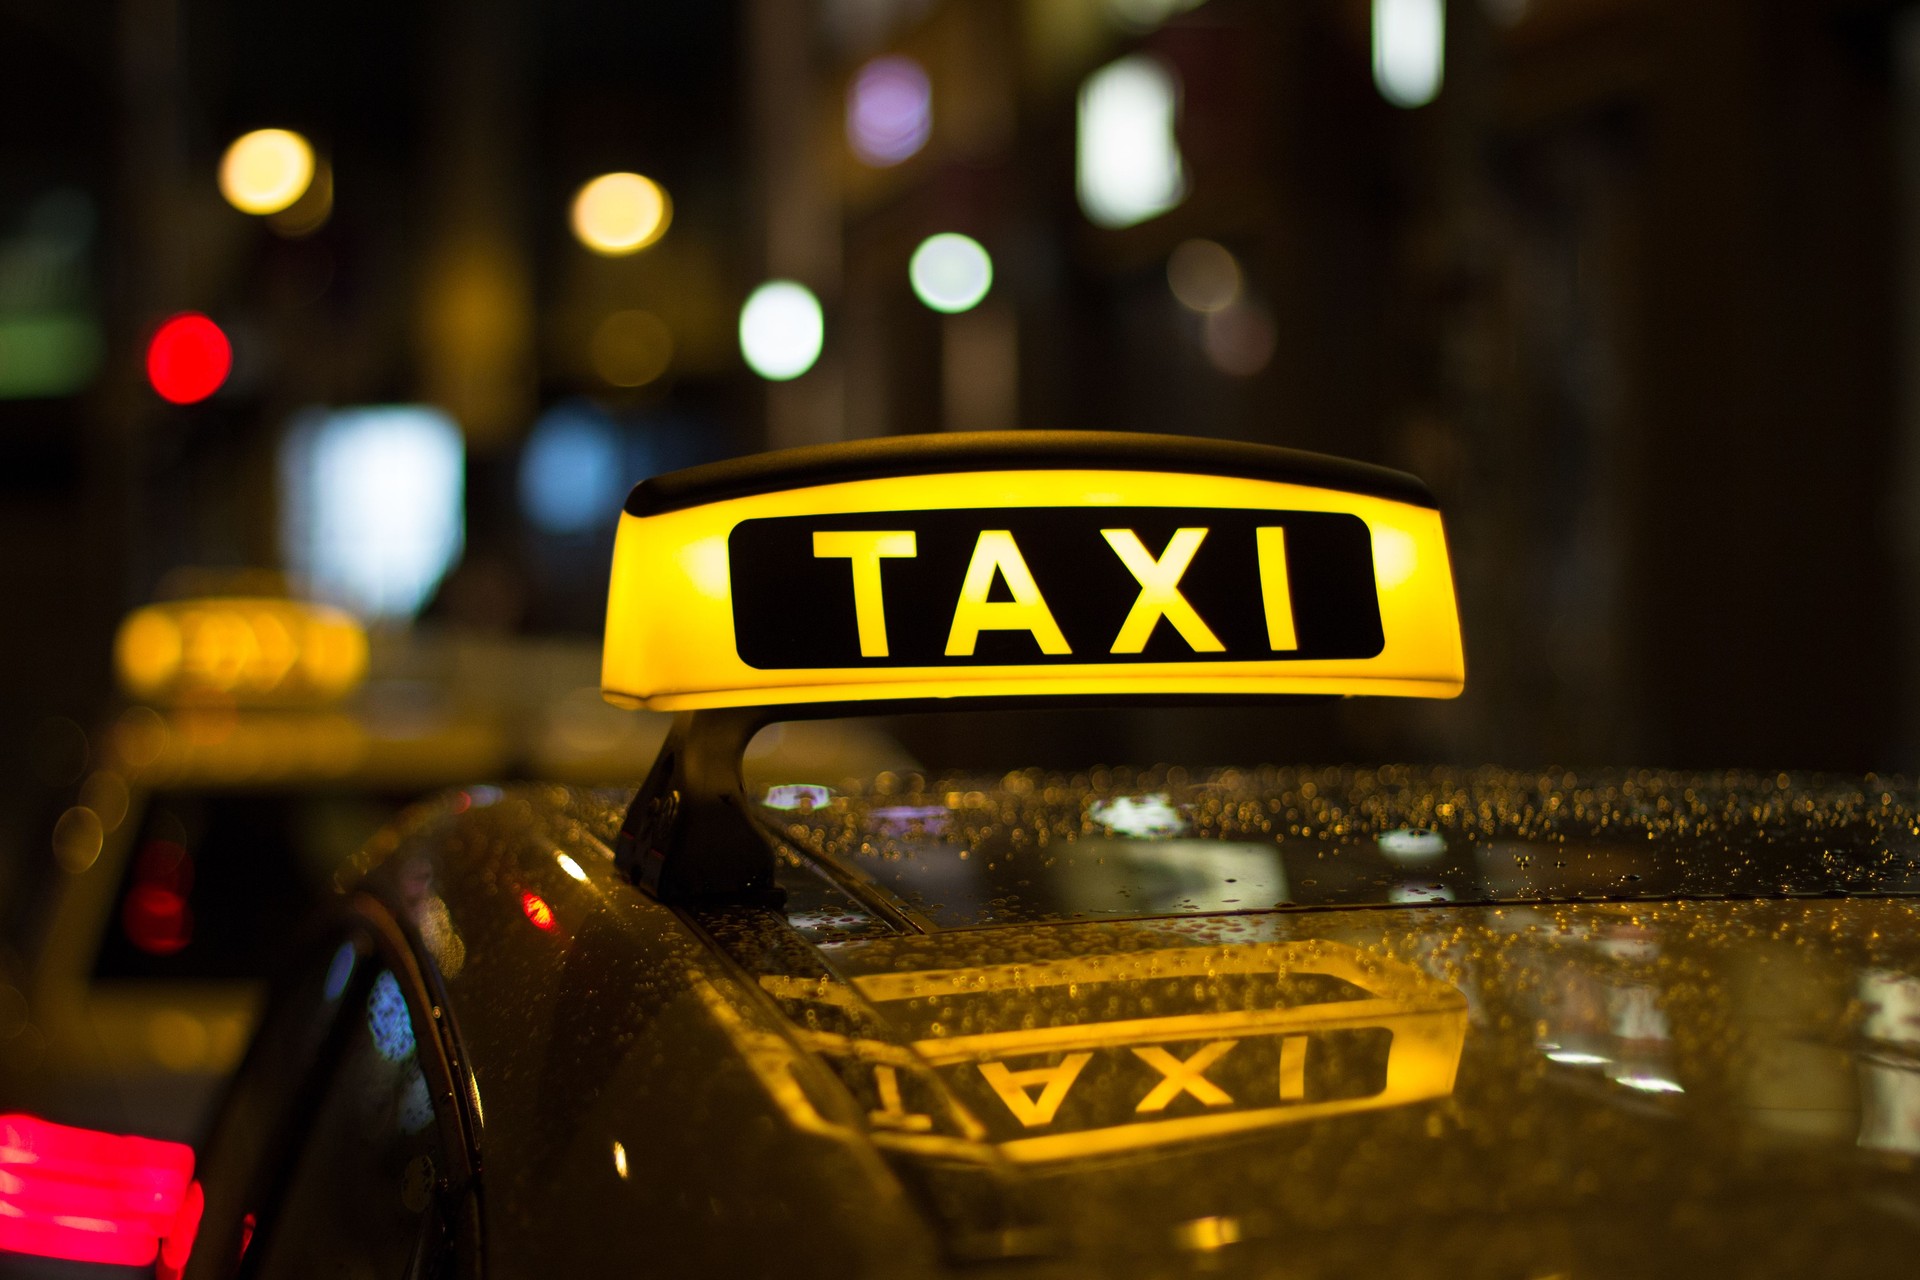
<point>245,650</point>
<point>1028,564</point>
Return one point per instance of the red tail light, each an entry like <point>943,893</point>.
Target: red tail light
<point>92,1197</point>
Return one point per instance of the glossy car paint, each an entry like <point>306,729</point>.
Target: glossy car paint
<point>1690,1083</point>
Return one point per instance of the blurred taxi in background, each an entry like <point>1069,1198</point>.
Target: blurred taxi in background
<point>266,741</point>
<point>249,765</point>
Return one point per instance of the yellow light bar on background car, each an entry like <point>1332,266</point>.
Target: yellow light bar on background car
<point>1028,564</point>
<point>251,650</point>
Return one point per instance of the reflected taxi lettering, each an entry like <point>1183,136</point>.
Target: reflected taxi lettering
<point>1175,1076</point>
<point>1012,1086</point>
<point>1053,584</point>
<point>1309,1031</point>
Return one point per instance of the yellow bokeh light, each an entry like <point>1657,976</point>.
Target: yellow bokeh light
<point>266,170</point>
<point>620,213</point>
<point>147,651</point>
<point>334,654</point>
<point>105,793</point>
<point>139,736</point>
<point>310,212</point>
<point>77,839</point>
<point>631,348</point>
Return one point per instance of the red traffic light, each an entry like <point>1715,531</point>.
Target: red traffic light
<point>189,358</point>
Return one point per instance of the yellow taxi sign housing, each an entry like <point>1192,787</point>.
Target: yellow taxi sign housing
<point>251,650</point>
<point>1028,565</point>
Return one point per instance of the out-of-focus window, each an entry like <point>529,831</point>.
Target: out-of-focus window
<point>363,1198</point>
<point>217,882</point>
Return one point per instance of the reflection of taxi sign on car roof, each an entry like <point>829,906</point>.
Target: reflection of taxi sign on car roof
<point>1018,566</point>
<point>1196,1043</point>
<point>1033,563</point>
<point>255,650</point>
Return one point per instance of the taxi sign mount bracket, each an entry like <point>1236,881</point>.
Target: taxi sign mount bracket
<point>688,835</point>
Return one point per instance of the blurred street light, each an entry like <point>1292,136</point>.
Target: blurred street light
<point>1239,339</point>
<point>950,272</point>
<point>1129,165</point>
<point>620,213</point>
<point>572,474</point>
<point>310,212</point>
<point>631,348</point>
<point>781,330</point>
<point>265,171</point>
<point>188,359</point>
<point>373,504</point>
<point>1204,276</point>
<point>889,110</point>
<point>1145,15</point>
<point>1409,50</point>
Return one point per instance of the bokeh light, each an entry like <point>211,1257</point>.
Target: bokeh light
<point>538,912</point>
<point>1129,167</point>
<point>571,475</point>
<point>188,359</point>
<point>1204,276</point>
<point>1409,50</point>
<point>373,504</point>
<point>1239,339</point>
<point>889,110</point>
<point>781,330</point>
<point>105,792</point>
<point>950,272</point>
<point>77,839</point>
<point>310,212</point>
<point>1145,15</point>
<point>631,348</point>
<point>266,170</point>
<point>620,213</point>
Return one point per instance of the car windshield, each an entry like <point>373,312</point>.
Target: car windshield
<point>963,851</point>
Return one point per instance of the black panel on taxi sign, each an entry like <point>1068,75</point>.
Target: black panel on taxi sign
<point>1062,585</point>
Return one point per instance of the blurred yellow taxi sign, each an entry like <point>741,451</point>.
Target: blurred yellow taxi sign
<point>1028,564</point>
<point>247,649</point>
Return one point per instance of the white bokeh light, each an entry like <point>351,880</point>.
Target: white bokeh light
<point>781,330</point>
<point>1409,50</point>
<point>1129,165</point>
<point>950,272</point>
<point>374,504</point>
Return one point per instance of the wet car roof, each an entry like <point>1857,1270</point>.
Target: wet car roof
<point>1034,847</point>
<point>1436,1089</point>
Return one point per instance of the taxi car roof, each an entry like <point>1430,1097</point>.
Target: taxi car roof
<point>610,1023</point>
<point>1014,450</point>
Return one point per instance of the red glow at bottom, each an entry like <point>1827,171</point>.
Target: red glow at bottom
<point>91,1197</point>
<point>177,1245</point>
<point>537,910</point>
